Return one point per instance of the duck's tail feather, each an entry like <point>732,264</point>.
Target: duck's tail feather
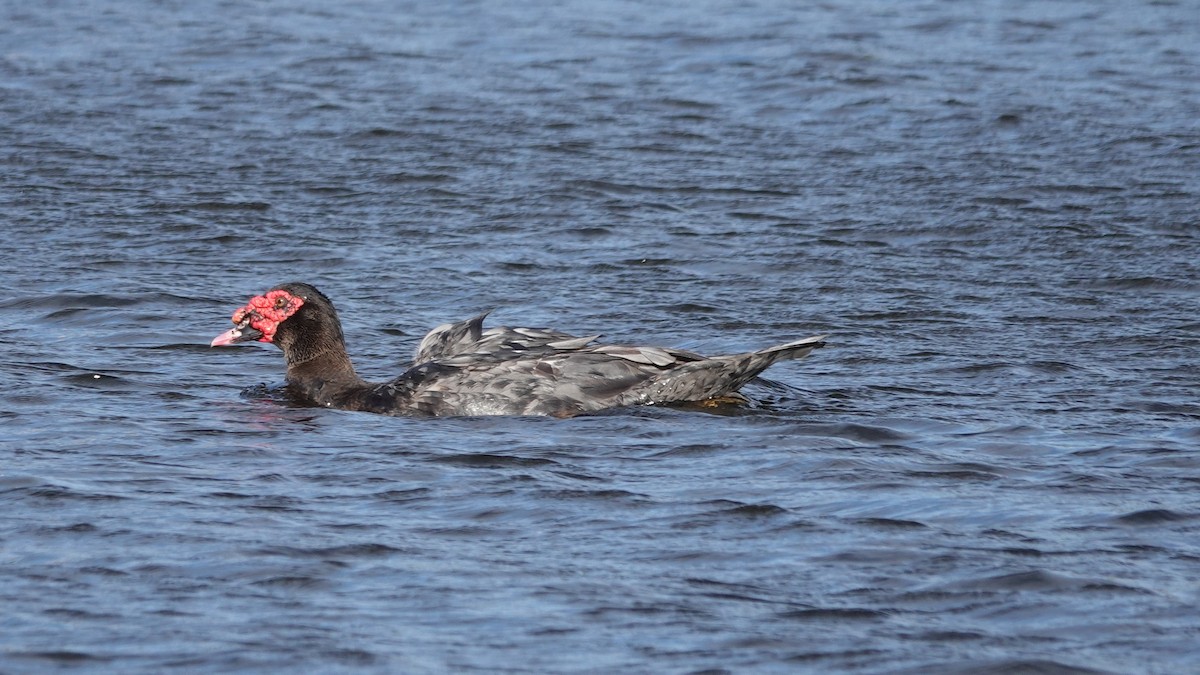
<point>719,375</point>
<point>795,350</point>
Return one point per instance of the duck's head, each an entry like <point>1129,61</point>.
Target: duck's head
<point>281,316</point>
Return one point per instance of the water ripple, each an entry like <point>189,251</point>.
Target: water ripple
<point>990,467</point>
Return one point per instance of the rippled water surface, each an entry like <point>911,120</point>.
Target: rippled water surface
<point>990,207</point>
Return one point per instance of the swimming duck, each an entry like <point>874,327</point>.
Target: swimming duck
<point>463,369</point>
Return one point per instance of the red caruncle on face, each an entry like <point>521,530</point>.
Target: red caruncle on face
<point>266,312</point>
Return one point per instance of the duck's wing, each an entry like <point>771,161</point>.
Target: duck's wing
<point>541,381</point>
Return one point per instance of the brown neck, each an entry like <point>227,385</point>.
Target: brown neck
<point>324,379</point>
<point>331,365</point>
<point>318,369</point>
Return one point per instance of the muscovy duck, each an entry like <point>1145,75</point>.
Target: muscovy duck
<point>463,369</point>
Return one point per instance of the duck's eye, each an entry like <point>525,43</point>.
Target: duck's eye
<point>281,302</point>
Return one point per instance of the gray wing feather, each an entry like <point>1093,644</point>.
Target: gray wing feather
<point>653,356</point>
<point>450,339</point>
<point>573,343</point>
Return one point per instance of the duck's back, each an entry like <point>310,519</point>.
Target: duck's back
<point>499,343</point>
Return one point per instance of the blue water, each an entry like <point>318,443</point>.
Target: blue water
<point>991,208</point>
